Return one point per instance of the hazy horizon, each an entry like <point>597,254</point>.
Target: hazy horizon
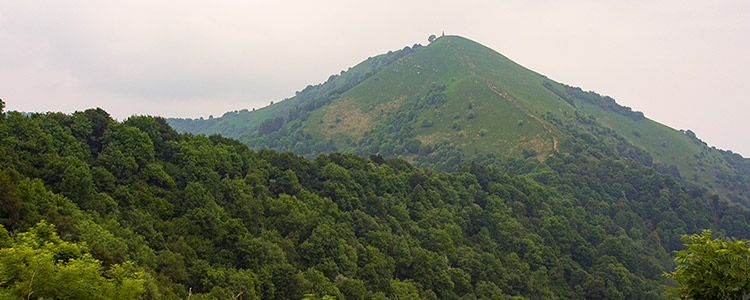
<point>681,63</point>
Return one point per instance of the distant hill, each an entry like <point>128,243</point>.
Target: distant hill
<point>456,102</point>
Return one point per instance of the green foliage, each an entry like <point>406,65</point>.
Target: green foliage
<point>313,297</point>
<point>603,102</point>
<point>39,265</point>
<point>711,268</point>
<point>209,215</point>
<point>456,125</point>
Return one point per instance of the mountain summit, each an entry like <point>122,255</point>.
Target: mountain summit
<point>457,102</point>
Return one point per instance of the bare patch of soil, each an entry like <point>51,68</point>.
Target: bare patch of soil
<point>428,139</point>
<point>345,117</point>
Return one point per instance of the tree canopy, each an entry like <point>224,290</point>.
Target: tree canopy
<point>209,216</point>
<point>40,265</point>
<point>711,268</point>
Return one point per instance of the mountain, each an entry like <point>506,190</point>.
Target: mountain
<point>553,192</point>
<point>455,102</point>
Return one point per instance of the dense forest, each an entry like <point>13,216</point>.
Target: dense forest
<point>174,215</point>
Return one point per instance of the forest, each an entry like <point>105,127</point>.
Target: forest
<point>139,207</point>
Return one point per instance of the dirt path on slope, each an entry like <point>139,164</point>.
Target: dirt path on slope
<point>524,110</point>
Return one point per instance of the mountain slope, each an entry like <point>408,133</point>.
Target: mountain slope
<point>455,101</point>
<point>448,62</point>
<point>236,123</point>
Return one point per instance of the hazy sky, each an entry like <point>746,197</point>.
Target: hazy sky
<point>683,63</point>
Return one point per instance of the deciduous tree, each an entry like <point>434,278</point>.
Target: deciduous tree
<point>711,268</point>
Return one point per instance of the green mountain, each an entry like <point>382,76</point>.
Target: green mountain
<point>455,102</point>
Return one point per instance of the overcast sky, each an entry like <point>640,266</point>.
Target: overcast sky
<point>683,63</point>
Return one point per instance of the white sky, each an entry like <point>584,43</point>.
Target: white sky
<point>683,63</point>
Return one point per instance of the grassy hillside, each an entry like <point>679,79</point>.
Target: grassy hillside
<point>238,123</point>
<point>677,152</point>
<point>494,87</point>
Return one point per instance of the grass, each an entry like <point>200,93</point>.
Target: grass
<point>665,144</point>
<point>467,69</point>
<point>492,113</point>
<point>248,121</point>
